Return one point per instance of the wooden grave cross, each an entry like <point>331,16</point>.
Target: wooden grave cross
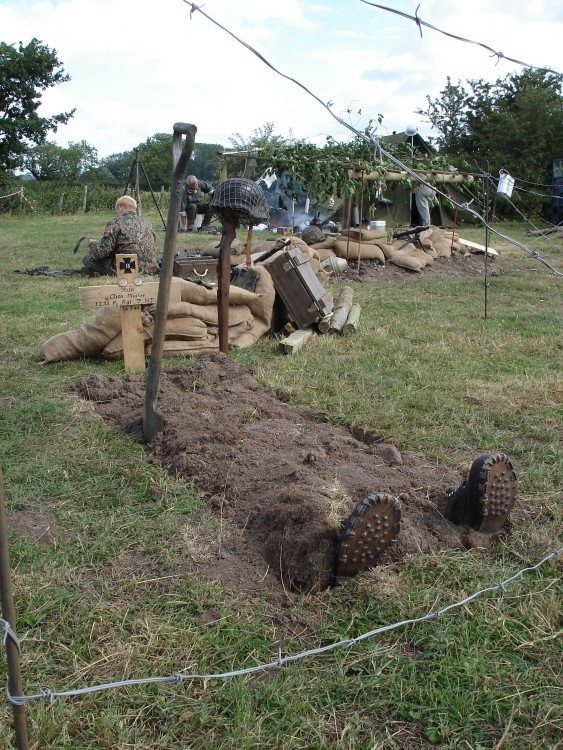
<point>128,294</point>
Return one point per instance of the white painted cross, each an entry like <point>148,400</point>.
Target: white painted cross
<point>128,294</point>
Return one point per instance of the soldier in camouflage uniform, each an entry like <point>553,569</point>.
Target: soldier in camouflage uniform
<point>127,233</point>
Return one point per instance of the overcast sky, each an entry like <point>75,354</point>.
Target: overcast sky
<point>139,66</point>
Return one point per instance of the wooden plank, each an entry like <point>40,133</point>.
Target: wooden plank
<point>133,338</point>
<point>293,343</point>
<point>478,247</point>
<point>113,295</point>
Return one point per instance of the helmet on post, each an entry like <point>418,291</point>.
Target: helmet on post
<point>240,200</point>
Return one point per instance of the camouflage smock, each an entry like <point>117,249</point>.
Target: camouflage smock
<point>127,234</point>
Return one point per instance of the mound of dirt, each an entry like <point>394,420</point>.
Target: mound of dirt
<point>472,264</point>
<point>285,480</point>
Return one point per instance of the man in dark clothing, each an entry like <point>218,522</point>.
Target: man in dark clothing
<point>192,203</point>
<point>127,233</point>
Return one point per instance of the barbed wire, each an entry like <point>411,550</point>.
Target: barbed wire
<point>374,142</point>
<point>19,193</point>
<point>178,677</point>
<point>420,23</point>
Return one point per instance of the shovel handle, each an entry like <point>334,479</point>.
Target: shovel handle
<point>181,154</point>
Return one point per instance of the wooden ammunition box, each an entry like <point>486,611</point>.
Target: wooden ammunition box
<point>305,298</point>
<point>195,268</point>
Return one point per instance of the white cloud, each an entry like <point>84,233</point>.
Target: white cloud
<point>138,66</point>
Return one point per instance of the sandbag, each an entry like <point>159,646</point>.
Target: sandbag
<point>208,314</point>
<point>86,341</point>
<point>323,253</point>
<point>202,295</point>
<point>406,260</point>
<point>364,234</point>
<point>353,250</point>
<point>325,244</point>
<point>212,248</point>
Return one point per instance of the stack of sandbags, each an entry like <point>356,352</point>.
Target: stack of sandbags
<point>362,244</point>
<point>192,325</point>
<point>375,244</point>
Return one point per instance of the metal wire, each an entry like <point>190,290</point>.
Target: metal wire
<point>50,695</point>
<point>375,143</point>
<point>420,23</point>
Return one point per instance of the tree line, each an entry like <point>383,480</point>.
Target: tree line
<point>514,124</point>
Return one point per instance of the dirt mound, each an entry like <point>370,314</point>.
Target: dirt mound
<point>286,481</point>
<point>456,265</point>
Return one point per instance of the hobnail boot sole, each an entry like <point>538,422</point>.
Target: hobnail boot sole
<point>491,489</point>
<point>372,526</point>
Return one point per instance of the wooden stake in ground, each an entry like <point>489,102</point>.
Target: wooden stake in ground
<point>341,310</point>
<point>128,294</point>
<point>249,247</point>
<point>12,650</point>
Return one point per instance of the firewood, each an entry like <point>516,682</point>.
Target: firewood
<point>341,309</point>
<point>351,325</point>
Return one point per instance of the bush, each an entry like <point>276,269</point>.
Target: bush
<point>54,198</point>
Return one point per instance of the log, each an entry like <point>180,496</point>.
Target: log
<point>293,343</point>
<point>351,325</point>
<point>324,323</point>
<point>341,310</point>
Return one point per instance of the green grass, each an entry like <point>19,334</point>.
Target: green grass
<point>108,600</point>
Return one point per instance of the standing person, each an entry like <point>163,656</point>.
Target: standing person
<point>192,203</point>
<point>127,233</point>
<point>423,193</point>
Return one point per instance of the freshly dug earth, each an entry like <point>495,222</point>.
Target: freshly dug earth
<point>472,264</point>
<point>283,481</point>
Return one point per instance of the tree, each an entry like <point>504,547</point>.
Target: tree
<point>116,167</point>
<point>448,115</point>
<point>25,73</point>
<point>263,137</point>
<point>205,161</point>
<point>155,162</point>
<point>48,161</point>
<point>513,124</point>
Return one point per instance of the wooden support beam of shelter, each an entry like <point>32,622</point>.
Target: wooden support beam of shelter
<point>396,176</point>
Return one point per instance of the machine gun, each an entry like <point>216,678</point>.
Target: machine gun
<point>411,235</point>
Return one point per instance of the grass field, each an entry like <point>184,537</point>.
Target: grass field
<point>103,601</point>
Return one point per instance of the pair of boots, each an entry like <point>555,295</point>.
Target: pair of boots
<point>483,502</point>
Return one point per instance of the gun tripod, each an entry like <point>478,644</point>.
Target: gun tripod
<point>135,167</point>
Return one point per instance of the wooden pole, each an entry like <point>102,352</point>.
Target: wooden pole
<point>360,217</point>
<point>249,247</point>
<point>12,651</point>
<point>224,282</point>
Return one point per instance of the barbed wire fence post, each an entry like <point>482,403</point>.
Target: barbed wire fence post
<point>10,641</point>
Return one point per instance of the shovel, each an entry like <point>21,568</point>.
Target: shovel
<point>153,420</point>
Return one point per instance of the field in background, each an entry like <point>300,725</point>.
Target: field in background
<point>103,600</point>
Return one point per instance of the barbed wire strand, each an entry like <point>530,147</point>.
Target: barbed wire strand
<point>420,23</point>
<point>374,142</point>
<point>178,677</point>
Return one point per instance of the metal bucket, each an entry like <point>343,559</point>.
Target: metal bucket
<point>334,265</point>
<point>505,184</point>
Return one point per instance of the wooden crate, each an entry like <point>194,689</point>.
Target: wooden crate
<point>195,268</point>
<point>305,298</point>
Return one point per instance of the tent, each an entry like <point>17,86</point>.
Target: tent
<point>397,206</point>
